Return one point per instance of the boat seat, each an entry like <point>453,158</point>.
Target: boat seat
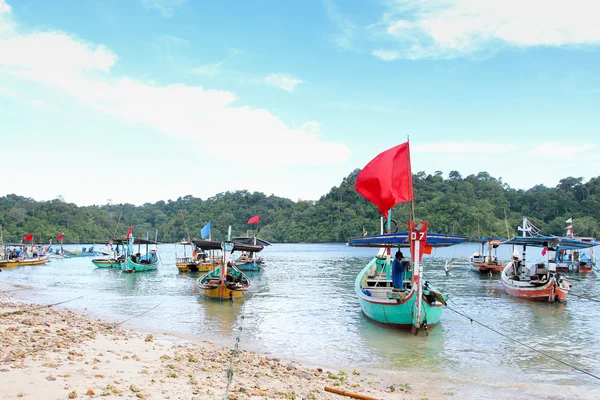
<point>379,282</point>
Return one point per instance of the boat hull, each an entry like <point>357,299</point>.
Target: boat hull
<point>101,263</point>
<point>487,267</point>
<point>71,254</point>
<point>550,291</point>
<point>390,308</point>
<point>194,267</point>
<point>247,266</point>
<point>24,261</point>
<point>211,285</point>
<point>129,266</point>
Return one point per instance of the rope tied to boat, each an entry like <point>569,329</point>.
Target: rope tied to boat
<point>235,351</point>
<point>38,308</point>
<point>109,327</point>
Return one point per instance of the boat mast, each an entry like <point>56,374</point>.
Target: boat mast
<point>185,225</point>
<point>524,227</point>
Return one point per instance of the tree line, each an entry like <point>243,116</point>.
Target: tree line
<point>475,205</point>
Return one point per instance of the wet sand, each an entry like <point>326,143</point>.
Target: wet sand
<point>56,353</point>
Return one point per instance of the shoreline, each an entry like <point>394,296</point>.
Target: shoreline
<point>58,353</point>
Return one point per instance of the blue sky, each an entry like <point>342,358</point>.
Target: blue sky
<point>145,100</point>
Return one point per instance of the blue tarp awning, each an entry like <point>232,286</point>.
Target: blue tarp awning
<point>400,239</point>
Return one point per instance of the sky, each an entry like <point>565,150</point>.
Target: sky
<point>136,101</point>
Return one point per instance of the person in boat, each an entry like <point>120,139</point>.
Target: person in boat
<point>398,269</point>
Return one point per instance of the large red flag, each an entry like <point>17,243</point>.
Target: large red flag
<point>129,232</point>
<point>28,238</point>
<point>254,220</point>
<point>387,179</point>
<point>61,236</point>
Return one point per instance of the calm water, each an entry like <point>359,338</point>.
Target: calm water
<point>303,307</point>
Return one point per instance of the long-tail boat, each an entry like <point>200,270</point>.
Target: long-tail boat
<point>85,252</point>
<point>16,258</point>
<point>539,281</point>
<point>225,282</point>
<point>404,302</point>
<point>138,262</point>
<point>203,258</point>
<point>487,261</point>
<point>249,248</point>
<point>115,257</point>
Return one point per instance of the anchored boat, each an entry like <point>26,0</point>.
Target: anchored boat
<point>394,293</point>
<point>487,261</point>
<point>249,248</point>
<point>115,258</point>
<point>136,261</point>
<point>204,256</point>
<point>539,281</point>
<point>225,282</point>
<point>18,254</point>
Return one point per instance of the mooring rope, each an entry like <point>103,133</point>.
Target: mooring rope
<point>472,320</point>
<point>38,308</point>
<point>524,344</point>
<point>86,334</point>
<point>235,350</point>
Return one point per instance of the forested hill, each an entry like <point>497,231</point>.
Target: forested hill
<point>474,205</point>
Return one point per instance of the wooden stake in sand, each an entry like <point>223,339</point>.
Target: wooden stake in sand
<point>349,394</point>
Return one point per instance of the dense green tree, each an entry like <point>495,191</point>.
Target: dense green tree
<point>478,204</point>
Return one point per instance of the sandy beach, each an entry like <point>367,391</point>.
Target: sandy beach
<point>56,353</point>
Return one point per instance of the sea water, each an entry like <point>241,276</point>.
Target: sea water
<point>302,307</point>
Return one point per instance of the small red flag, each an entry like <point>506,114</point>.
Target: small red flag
<point>387,179</point>
<point>544,250</point>
<point>28,238</point>
<point>129,232</point>
<point>61,236</point>
<point>254,220</point>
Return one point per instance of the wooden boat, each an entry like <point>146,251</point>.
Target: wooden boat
<point>487,262</point>
<point>249,247</point>
<point>381,302</point>
<point>581,260</point>
<point>115,257</point>
<point>76,253</point>
<point>539,281</point>
<point>225,282</point>
<point>20,257</point>
<point>203,257</point>
<point>138,262</point>
<point>412,304</point>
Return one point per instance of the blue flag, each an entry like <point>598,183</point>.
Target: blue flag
<point>205,232</point>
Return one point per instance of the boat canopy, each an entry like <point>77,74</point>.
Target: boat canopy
<point>250,240</point>
<point>493,240</point>
<point>214,245</point>
<point>545,241</point>
<point>135,241</point>
<point>401,239</point>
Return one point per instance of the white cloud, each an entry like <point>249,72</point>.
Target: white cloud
<point>454,28</point>
<point>464,148</point>
<point>208,118</point>
<point>5,23</point>
<point>282,81</point>
<point>165,7</point>
<point>386,55</point>
<point>561,150</point>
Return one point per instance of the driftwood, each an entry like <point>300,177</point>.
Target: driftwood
<point>349,394</point>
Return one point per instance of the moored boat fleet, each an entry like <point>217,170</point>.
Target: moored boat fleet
<point>391,289</point>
